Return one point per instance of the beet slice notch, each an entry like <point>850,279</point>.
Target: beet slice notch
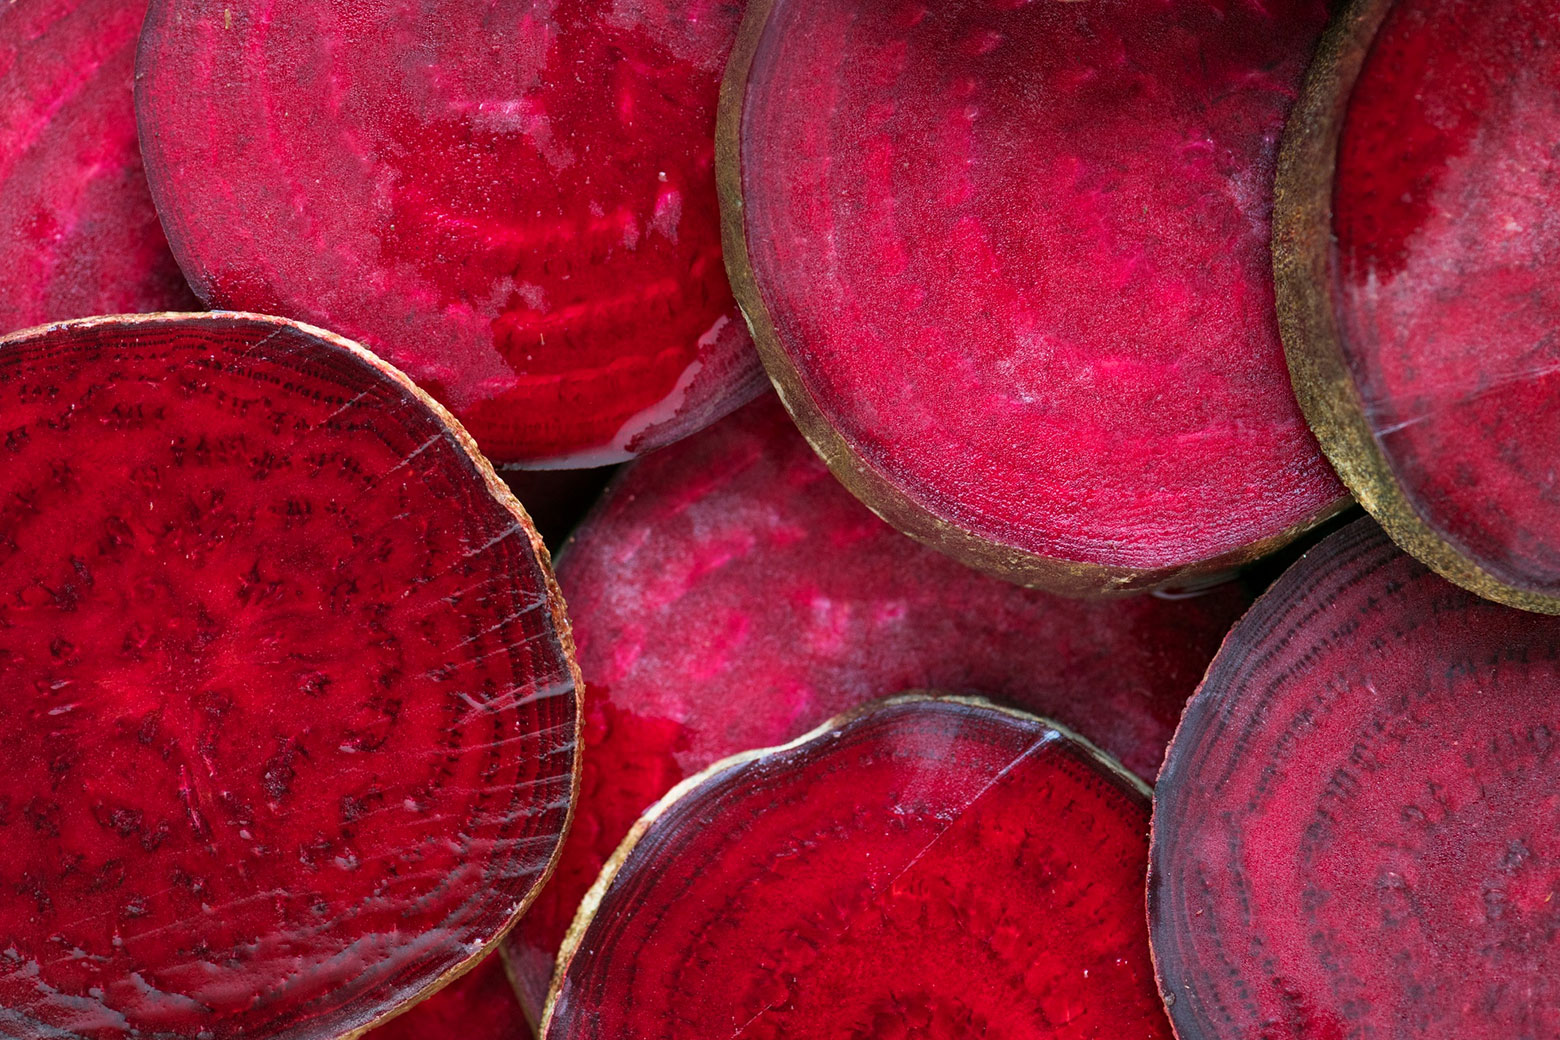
<point>925,867</point>
<point>288,690</point>
<point>1357,829</point>
<point>1418,262</point>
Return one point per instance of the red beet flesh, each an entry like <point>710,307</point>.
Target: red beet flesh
<point>930,869</point>
<point>1447,272</point>
<point>1016,261</point>
<point>78,234</point>
<point>513,202</point>
<point>1357,830</point>
<point>728,593</point>
<point>286,685</point>
<point>477,1006</point>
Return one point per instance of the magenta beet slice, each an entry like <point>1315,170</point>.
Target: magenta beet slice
<point>479,1005</point>
<point>287,686</point>
<point>924,869</point>
<point>514,203</point>
<point>78,234</point>
<point>729,594</point>
<point>1008,264</point>
<point>1357,829</point>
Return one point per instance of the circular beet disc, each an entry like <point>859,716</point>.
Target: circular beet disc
<point>1357,829</point>
<point>514,202</point>
<point>287,688</point>
<point>1418,253</point>
<point>927,867</point>
<point>1009,266</point>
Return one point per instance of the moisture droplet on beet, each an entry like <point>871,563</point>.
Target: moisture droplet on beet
<point>286,682</point>
<point>1009,265</point>
<point>1357,829</point>
<point>513,202</point>
<point>926,868</point>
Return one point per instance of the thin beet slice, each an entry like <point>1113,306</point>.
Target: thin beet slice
<point>1357,829</point>
<point>479,1005</point>
<point>78,234</point>
<point>927,868</point>
<point>1418,251</point>
<point>514,202</point>
<point>728,593</point>
<point>286,683</point>
<point>1008,264</point>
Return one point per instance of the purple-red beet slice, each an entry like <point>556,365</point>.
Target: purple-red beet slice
<point>514,202</point>
<point>479,1005</point>
<point>728,593</point>
<point>1418,248</point>
<point>927,868</point>
<point>287,688</point>
<point>1357,829</point>
<point>78,234</point>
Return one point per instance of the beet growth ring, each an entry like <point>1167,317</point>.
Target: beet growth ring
<point>287,689</point>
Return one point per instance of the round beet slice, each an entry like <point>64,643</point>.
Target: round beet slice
<point>78,234</point>
<point>927,867</point>
<point>288,690</point>
<point>1008,265</point>
<point>1418,255</point>
<point>514,202</point>
<point>728,593</point>
<point>1357,829</point>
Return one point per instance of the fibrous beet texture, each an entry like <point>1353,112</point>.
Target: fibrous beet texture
<point>1016,257</point>
<point>1357,829</point>
<point>285,682</point>
<point>1447,272</point>
<point>930,869</point>
<point>78,234</point>
<point>513,202</point>
<point>728,593</point>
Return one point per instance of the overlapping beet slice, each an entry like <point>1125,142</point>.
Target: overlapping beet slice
<point>927,868</point>
<point>1357,830</point>
<point>288,692</point>
<point>513,202</point>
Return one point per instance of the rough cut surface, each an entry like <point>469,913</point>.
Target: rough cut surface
<point>78,234</point>
<point>729,594</point>
<point>477,1006</point>
<point>1016,258</point>
<point>931,869</point>
<point>1357,830</point>
<point>285,682</point>
<point>514,201</point>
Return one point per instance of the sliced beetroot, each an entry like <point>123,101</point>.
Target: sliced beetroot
<point>925,869</point>
<point>729,594</point>
<point>479,1005</point>
<point>287,689</point>
<point>1357,829</point>
<point>514,202</point>
<point>78,234</point>
<point>1419,254</point>
<point>1008,264</point>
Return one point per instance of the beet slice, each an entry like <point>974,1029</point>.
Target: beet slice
<point>479,1005</point>
<point>1008,264</point>
<point>1357,829</point>
<point>729,594</point>
<point>925,868</point>
<point>1418,262</point>
<point>287,684</point>
<point>78,234</point>
<point>513,202</point>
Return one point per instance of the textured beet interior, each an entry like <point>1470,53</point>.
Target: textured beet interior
<point>479,1005</point>
<point>78,234</point>
<point>729,594</point>
<point>287,692</point>
<point>1357,830</point>
<point>1018,257</point>
<point>1447,271</point>
<point>932,869</point>
<point>514,202</point>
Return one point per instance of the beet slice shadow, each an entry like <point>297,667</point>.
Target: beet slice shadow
<point>1357,829</point>
<point>924,867</point>
<point>288,688</point>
